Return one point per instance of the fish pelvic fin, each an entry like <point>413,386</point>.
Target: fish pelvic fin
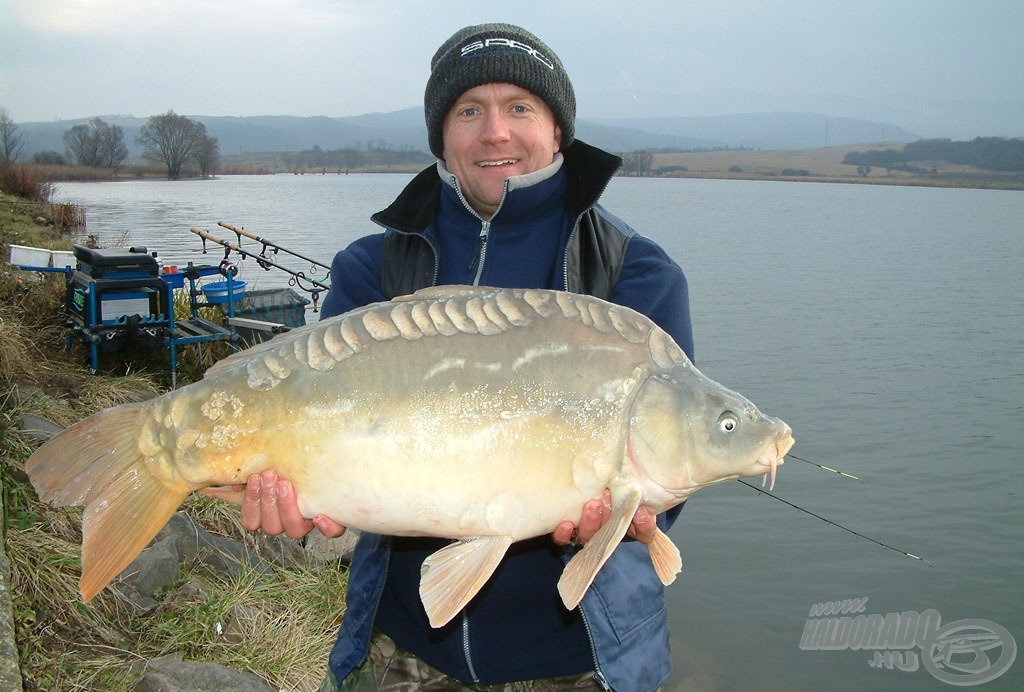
<point>97,463</point>
<point>579,574</point>
<point>451,577</point>
<point>665,556</point>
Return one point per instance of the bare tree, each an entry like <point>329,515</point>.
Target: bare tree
<point>10,140</point>
<point>97,144</point>
<point>208,156</point>
<point>638,163</point>
<point>171,139</point>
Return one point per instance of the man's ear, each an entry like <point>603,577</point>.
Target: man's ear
<point>558,138</point>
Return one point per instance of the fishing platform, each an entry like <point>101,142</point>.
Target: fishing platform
<point>123,299</point>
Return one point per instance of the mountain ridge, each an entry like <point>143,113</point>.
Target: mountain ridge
<point>404,130</point>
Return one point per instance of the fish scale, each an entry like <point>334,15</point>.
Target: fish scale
<point>483,415</point>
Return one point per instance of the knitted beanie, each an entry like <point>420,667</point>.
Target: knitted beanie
<point>491,53</point>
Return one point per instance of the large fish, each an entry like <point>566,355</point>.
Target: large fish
<point>484,415</point>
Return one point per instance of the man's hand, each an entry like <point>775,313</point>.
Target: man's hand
<point>269,503</point>
<point>595,514</point>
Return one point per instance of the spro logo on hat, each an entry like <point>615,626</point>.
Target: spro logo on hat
<point>506,43</point>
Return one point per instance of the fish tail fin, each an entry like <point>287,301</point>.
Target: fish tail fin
<point>97,463</point>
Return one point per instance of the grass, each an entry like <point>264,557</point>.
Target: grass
<point>821,165</point>
<point>279,626</point>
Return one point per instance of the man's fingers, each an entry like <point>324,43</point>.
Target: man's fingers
<point>269,512</point>
<point>294,524</point>
<point>251,520</point>
<point>234,494</point>
<point>590,522</point>
<point>563,533</point>
<point>644,526</point>
<point>328,526</point>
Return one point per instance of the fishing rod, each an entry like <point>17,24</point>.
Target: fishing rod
<point>844,474</point>
<point>274,247</point>
<point>832,523</point>
<point>299,279</point>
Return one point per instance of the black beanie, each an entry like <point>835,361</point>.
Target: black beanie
<point>490,53</point>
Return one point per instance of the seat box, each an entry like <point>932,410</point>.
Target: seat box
<point>116,263</point>
<point>114,300</point>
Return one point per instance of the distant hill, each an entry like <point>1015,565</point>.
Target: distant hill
<point>770,130</point>
<point>404,130</point>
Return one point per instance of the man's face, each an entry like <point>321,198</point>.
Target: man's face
<point>494,132</point>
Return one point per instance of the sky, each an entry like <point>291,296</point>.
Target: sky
<point>935,67</point>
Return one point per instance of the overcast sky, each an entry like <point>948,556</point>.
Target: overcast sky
<point>936,67</point>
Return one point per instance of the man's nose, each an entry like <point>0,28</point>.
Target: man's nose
<point>495,127</point>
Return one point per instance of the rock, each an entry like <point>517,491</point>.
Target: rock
<point>10,668</point>
<point>180,541</point>
<point>37,429</point>
<point>281,550</point>
<point>155,568</point>
<point>327,549</point>
<point>172,674</point>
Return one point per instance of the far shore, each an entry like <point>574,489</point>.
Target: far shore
<point>822,165</point>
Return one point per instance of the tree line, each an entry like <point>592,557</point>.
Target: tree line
<point>987,153</point>
<point>169,139</point>
<point>376,153</point>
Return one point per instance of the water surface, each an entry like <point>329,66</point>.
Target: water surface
<point>883,323</point>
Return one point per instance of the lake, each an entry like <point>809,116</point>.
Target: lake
<point>884,324</point>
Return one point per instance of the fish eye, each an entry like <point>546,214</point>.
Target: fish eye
<point>727,422</point>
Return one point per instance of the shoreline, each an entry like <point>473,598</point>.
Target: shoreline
<point>893,180</point>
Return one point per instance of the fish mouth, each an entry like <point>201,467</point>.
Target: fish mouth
<point>773,456</point>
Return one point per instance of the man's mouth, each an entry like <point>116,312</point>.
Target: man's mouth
<point>502,162</point>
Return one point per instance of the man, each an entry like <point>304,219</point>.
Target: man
<point>512,202</point>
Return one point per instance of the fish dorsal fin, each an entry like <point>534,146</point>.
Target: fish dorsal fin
<point>451,577</point>
<point>666,558</point>
<point>580,572</point>
<point>445,293</point>
<point>245,355</point>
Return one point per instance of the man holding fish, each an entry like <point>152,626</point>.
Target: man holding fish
<point>503,354</point>
<point>512,202</point>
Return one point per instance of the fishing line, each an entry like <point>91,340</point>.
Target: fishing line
<point>844,474</point>
<point>839,526</point>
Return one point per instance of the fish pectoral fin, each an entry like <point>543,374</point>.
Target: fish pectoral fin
<point>451,577</point>
<point>666,558</point>
<point>579,574</point>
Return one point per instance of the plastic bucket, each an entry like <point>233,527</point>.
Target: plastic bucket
<point>217,292</point>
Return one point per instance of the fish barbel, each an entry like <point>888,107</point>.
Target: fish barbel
<point>483,415</point>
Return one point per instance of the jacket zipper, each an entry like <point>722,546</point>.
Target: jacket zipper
<point>575,230</point>
<point>485,227</point>
<point>481,253</point>
<point>599,677</point>
<point>465,649</point>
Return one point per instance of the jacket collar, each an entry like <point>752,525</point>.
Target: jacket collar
<point>589,170</point>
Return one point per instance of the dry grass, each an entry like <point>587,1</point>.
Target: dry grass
<point>818,162</point>
<point>823,165</point>
<point>279,626</point>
